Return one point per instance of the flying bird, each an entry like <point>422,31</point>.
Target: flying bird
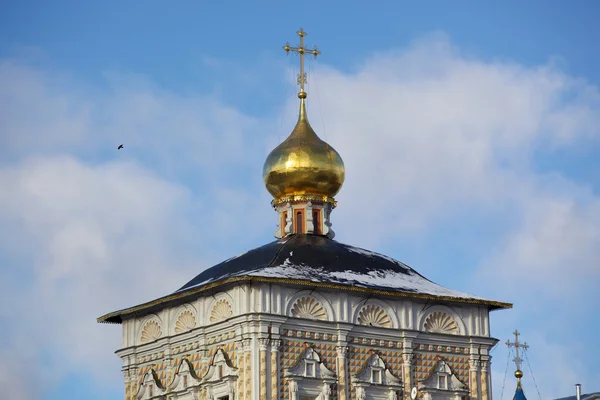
<point>120,147</point>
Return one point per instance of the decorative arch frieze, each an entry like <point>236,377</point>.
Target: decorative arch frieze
<point>376,380</point>
<point>309,305</point>
<point>441,319</point>
<point>151,387</point>
<point>309,377</point>
<point>442,383</point>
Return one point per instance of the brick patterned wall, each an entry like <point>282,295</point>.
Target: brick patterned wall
<point>290,351</point>
<point>359,355</point>
<point>425,361</point>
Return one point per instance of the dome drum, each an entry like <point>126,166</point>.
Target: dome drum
<point>304,216</point>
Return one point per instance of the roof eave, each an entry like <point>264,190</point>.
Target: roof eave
<point>118,316</point>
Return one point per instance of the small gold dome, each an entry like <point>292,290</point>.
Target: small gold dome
<point>303,164</point>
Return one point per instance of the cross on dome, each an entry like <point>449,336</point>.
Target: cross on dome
<point>301,50</point>
<point>517,345</point>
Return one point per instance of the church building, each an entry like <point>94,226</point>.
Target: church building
<point>306,317</point>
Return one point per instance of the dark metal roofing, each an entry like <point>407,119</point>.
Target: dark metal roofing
<point>316,261</point>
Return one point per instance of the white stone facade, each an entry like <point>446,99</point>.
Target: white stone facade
<point>270,342</point>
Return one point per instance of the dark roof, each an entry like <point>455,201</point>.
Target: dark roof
<point>319,261</point>
<point>583,396</point>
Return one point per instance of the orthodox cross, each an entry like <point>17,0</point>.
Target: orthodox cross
<point>301,50</point>
<point>517,345</point>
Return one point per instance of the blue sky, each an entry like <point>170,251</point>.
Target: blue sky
<point>470,134</point>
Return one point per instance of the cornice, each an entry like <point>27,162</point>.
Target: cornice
<point>181,297</point>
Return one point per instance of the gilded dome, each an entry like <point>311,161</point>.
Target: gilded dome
<point>303,164</point>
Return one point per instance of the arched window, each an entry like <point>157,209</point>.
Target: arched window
<point>317,222</point>
<point>299,222</point>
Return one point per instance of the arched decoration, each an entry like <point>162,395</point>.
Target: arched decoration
<point>220,378</point>
<point>151,331</point>
<point>186,321</point>
<point>440,322</point>
<point>442,382</point>
<point>301,306</point>
<point>309,308</point>
<point>221,310</point>
<point>376,379</point>
<point>361,314</point>
<point>185,379</point>
<point>151,387</point>
<point>309,377</point>
<point>441,319</point>
<point>374,315</point>
<point>180,320</point>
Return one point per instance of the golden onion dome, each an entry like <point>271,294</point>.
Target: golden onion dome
<point>303,164</point>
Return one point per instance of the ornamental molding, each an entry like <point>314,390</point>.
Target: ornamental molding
<point>374,315</point>
<point>440,322</point>
<point>377,312</point>
<point>184,377</point>
<point>309,365</point>
<point>304,198</point>
<point>292,333</point>
<point>310,305</point>
<point>151,331</point>
<point>441,319</point>
<point>442,380</point>
<point>309,377</point>
<point>150,386</point>
<point>309,308</point>
<point>375,342</point>
<point>220,311</point>
<point>186,321</point>
<point>375,372</point>
<point>219,368</point>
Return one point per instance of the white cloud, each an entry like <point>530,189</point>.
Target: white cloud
<point>426,134</point>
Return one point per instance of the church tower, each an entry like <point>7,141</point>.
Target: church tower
<point>306,317</point>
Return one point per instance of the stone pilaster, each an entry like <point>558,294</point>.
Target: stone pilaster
<point>131,383</point>
<point>239,348</point>
<point>275,369</point>
<point>202,393</point>
<point>170,368</point>
<point>204,360</point>
<point>484,378</point>
<point>248,369</point>
<point>407,381</point>
<point>262,360</point>
<point>342,367</point>
<point>473,375</point>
